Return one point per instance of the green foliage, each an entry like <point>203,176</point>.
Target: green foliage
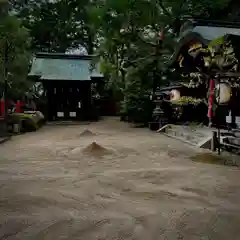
<point>129,43</point>
<point>56,26</point>
<point>136,104</point>
<point>3,8</point>
<point>14,55</point>
<point>188,100</point>
<point>124,33</point>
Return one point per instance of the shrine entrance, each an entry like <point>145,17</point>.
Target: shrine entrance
<point>68,100</point>
<point>67,81</point>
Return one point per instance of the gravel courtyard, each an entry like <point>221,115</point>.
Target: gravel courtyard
<point>107,181</point>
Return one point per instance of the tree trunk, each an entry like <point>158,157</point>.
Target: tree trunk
<point>90,44</point>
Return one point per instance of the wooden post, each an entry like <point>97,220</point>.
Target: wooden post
<point>214,142</point>
<point>5,75</point>
<point>219,131</point>
<point>5,95</point>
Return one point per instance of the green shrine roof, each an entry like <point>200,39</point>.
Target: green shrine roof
<point>47,66</point>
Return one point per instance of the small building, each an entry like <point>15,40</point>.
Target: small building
<point>67,81</point>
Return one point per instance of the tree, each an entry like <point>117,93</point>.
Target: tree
<point>14,55</point>
<point>56,26</point>
<point>130,30</point>
<point>3,8</point>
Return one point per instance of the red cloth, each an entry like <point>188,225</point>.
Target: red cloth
<point>211,98</point>
<point>2,108</point>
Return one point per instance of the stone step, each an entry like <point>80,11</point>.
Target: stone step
<point>196,136</point>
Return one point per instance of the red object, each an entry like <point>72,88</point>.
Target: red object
<point>210,99</point>
<point>18,106</point>
<point>2,107</point>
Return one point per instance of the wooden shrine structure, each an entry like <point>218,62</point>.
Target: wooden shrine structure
<point>67,81</point>
<point>207,57</point>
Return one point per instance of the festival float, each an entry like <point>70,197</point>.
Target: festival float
<point>207,62</point>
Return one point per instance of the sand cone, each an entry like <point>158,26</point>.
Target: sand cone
<point>87,133</point>
<point>96,150</point>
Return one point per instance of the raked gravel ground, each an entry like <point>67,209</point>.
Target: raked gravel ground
<point>144,187</point>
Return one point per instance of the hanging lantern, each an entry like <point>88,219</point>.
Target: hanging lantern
<point>175,95</point>
<point>195,49</point>
<point>223,93</point>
